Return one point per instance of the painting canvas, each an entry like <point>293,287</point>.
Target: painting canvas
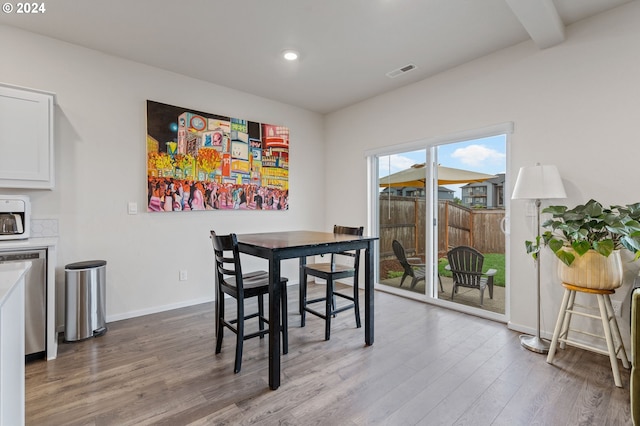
<point>203,161</point>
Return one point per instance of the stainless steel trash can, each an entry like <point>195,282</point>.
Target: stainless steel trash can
<point>85,300</point>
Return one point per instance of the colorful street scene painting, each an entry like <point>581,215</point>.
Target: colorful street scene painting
<point>203,161</point>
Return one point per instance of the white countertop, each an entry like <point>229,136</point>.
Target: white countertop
<point>10,273</point>
<point>28,243</point>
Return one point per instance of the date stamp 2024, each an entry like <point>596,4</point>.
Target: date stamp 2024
<point>24,8</point>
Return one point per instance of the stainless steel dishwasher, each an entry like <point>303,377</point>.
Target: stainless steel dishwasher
<point>35,295</point>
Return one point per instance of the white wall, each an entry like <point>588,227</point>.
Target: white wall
<point>575,105</point>
<point>100,162</point>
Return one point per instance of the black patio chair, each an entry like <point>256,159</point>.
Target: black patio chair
<point>465,263</point>
<point>411,265</point>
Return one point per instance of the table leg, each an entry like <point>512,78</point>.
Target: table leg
<point>274,323</point>
<point>368,294</point>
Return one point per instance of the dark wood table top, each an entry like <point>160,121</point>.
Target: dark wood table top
<point>288,239</point>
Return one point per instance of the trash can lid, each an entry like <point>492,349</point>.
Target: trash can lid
<point>86,264</point>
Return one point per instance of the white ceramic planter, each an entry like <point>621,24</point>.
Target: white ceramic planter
<point>593,270</point>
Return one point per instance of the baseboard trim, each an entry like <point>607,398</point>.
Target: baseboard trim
<point>157,309</point>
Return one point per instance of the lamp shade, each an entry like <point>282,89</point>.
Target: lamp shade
<point>538,183</point>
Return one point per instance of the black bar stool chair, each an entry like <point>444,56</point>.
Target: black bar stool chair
<point>331,272</point>
<point>231,281</point>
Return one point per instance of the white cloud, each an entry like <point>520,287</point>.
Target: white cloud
<point>477,155</point>
<point>400,162</point>
<point>397,163</point>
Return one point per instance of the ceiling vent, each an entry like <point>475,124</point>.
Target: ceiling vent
<point>400,71</point>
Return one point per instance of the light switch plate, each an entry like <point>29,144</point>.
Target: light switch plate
<point>132,207</point>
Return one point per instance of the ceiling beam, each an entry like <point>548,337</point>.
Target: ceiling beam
<point>541,20</point>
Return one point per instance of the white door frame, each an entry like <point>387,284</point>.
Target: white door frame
<point>373,220</point>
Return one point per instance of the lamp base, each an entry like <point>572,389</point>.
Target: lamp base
<point>535,344</point>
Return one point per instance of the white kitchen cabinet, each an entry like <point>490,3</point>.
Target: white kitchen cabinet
<point>26,138</point>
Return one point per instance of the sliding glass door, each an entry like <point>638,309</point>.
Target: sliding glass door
<point>470,216</point>
<point>433,198</point>
<point>402,215</point>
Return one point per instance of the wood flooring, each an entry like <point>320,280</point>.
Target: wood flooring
<point>428,366</point>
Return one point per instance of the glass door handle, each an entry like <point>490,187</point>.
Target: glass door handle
<point>503,225</point>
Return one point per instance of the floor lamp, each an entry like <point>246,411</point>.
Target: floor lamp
<point>538,183</point>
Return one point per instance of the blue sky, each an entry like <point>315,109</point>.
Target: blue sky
<point>486,155</point>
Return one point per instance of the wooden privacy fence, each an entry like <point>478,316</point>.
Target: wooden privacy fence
<point>404,219</point>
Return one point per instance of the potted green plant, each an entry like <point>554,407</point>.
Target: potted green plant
<point>590,233</point>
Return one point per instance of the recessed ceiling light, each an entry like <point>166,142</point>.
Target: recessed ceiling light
<point>290,55</point>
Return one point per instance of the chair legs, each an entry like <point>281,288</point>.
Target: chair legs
<point>454,290</point>
<point>260,314</point>
<point>403,277</point>
<point>303,300</point>
<point>330,307</point>
<point>414,281</point>
<point>285,320</point>
<point>239,325</point>
<point>240,333</point>
<point>490,287</point>
<point>219,322</point>
<point>606,315</point>
<point>356,303</point>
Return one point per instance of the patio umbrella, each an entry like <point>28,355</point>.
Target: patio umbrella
<point>416,176</point>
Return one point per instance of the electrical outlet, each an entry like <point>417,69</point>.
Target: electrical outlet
<point>183,275</point>
<point>617,307</point>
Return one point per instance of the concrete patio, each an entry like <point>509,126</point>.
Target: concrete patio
<point>465,296</point>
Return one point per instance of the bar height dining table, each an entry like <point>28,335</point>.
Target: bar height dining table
<point>276,246</point>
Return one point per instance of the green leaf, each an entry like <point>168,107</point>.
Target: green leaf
<point>581,234</point>
<point>633,225</point>
<point>593,208</point>
<point>573,216</point>
<point>611,218</point>
<point>565,257</point>
<point>531,247</point>
<point>555,210</point>
<point>604,247</point>
<point>590,226</point>
<point>581,247</point>
<point>617,227</point>
<point>632,242</point>
<point>634,210</point>
<point>555,245</point>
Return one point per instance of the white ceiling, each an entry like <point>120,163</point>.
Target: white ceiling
<point>346,46</point>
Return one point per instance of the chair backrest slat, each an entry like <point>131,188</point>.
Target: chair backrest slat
<point>466,265</point>
<point>400,253</point>
<point>227,258</point>
<point>347,230</point>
